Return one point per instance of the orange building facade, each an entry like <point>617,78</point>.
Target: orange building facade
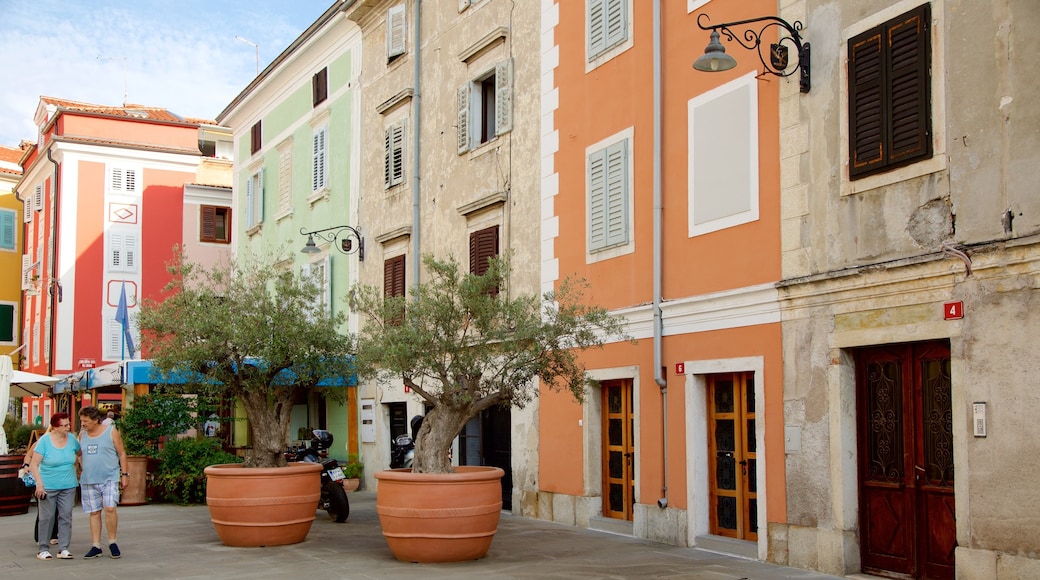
<point>660,187</point>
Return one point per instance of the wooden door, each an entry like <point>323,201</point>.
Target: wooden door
<point>906,460</point>
<point>732,456</point>
<point>618,450</point>
<point>486,440</point>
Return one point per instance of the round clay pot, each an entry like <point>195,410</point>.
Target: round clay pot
<point>260,506</point>
<point>351,484</point>
<point>439,517</point>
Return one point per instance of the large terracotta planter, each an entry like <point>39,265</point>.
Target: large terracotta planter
<point>259,506</point>
<point>134,492</point>
<point>439,517</point>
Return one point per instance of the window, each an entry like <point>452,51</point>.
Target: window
<point>116,347</point>
<point>27,272</point>
<point>483,245</point>
<point>485,107</point>
<point>8,322</point>
<point>608,25</point>
<point>255,199</point>
<point>890,94</point>
<point>321,271</point>
<point>121,180</point>
<point>393,284</point>
<point>8,233</point>
<point>122,251</point>
<point>723,173</point>
<point>320,86</point>
<point>608,196</point>
<point>393,155</point>
<point>27,209</point>
<point>284,179</point>
<point>38,198</point>
<point>256,135</point>
<point>396,29</point>
<point>215,225</point>
<point>319,164</point>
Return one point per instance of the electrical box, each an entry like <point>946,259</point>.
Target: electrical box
<point>979,418</point>
<point>368,420</point>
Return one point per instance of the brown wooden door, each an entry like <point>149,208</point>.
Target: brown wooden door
<point>618,450</point>
<point>906,460</point>
<point>732,456</point>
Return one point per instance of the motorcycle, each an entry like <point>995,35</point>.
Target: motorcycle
<point>333,498</point>
<point>403,452</point>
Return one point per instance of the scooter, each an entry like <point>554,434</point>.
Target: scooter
<point>403,452</point>
<point>333,498</point>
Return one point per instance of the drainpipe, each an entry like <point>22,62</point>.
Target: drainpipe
<point>416,100</point>
<point>658,323</point>
<point>53,287</point>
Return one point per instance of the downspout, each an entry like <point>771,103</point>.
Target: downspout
<point>658,323</point>
<point>53,287</point>
<point>416,99</point>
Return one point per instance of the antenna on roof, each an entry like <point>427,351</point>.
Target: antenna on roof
<point>123,58</point>
<point>256,50</point>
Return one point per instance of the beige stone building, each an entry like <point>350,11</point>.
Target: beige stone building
<point>911,310</point>
<point>450,140</point>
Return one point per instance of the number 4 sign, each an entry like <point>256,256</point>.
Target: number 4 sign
<point>953,310</point>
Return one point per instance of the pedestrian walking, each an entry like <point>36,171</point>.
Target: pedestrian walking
<point>54,467</point>
<point>104,475</point>
<point>36,526</point>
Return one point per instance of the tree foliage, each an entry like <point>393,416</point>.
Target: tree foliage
<point>152,417</point>
<point>464,346</point>
<point>251,330</point>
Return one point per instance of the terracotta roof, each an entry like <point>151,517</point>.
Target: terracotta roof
<point>128,145</point>
<point>129,110</point>
<point>10,155</point>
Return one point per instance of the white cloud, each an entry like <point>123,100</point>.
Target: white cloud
<point>179,55</point>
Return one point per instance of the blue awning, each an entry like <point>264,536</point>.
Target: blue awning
<point>140,372</point>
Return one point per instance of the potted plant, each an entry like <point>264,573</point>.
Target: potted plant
<point>352,471</point>
<point>181,476</point>
<point>258,333</point>
<point>464,344</point>
<point>150,419</point>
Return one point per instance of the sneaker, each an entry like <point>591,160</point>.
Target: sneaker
<point>44,555</point>
<point>94,552</point>
<point>65,555</point>
<point>114,549</point>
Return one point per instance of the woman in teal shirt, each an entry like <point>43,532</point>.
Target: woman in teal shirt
<point>54,467</point>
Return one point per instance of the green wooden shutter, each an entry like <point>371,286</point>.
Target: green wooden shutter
<point>504,97</point>
<point>597,200</point>
<point>597,27</point>
<point>617,194</point>
<point>8,234</point>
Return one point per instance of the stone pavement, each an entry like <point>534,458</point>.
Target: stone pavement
<point>169,541</point>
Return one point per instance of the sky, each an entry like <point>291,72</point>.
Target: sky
<point>179,54</point>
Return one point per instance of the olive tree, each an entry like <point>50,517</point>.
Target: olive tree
<point>464,345</point>
<point>251,330</point>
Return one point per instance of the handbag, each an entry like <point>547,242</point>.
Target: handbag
<point>28,479</point>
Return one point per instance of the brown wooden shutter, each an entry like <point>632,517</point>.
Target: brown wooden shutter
<point>866,103</point>
<point>320,86</point>
<point>483,245</point>
<point>208,227</point>
<point>255,137</point>
<point>909,59</point>
<point>890,94</point>
<point>393,276</point>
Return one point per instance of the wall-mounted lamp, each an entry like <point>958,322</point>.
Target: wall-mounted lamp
<point>346,245</point>
<point>715,57</point>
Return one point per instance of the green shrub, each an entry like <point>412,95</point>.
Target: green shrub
<point>20,437</point>
<point>152,417</point>
<point>10,424</point>
<point>180,477</point>
<point>353,468</point>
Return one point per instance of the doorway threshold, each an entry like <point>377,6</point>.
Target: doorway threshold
<point>728,546</point>
<point>610,525</point>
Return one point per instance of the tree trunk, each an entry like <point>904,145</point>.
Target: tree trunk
<point>433,442</point>
<point>269,424</point>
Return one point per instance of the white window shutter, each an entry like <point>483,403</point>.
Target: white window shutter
<point>597,200</point>
<point>130,252</point>
<point>326,282</point>
<point>504,97</point>
<point>26,272</point>
<point>38,198</point>
<point>285,180</point>
<point>115,251</point>
<point>319,166</point>
<point>395,31</point>
<point>116,179</point>
<point>463,118</point>
<point>250,219</point>
<point>597,26</point>
<point>114,339</point>
<point>258,197</point>
<point>393,170</point>
<point>616,21</point>
<point>387,156</point>
<point>27,207</point>
<point>130,181</point>
<point>617,194</point>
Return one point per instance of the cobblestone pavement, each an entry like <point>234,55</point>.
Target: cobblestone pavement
<point>169,541</point>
